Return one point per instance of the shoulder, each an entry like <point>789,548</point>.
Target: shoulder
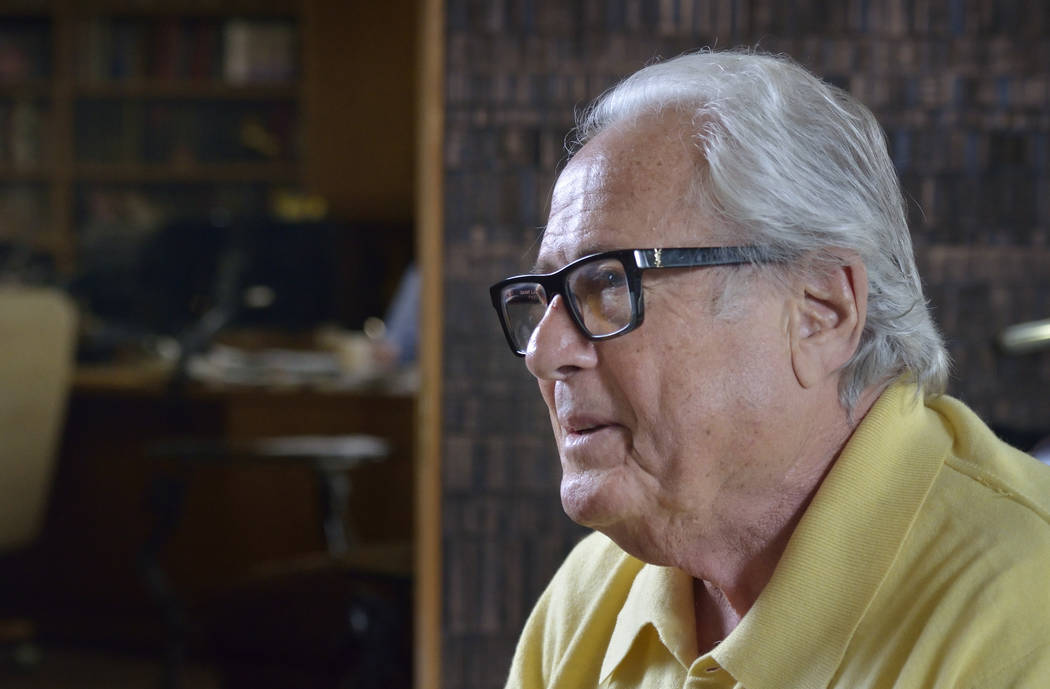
<point>993,502</point>
<point>964,603</point>
<point>989,470</point>
<point>982,543</point>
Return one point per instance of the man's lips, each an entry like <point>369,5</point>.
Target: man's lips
<point>588,431</point>
<point>590,436</point>
<point>581,425</point>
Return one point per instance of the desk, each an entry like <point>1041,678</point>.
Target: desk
<point>330,458</point>
<point>236,519</point>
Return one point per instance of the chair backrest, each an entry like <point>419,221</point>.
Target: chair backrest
<point>37,344</point>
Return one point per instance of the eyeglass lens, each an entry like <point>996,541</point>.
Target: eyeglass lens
<point>599,292</point>
<point>601,295</point>
<point>524,304</point>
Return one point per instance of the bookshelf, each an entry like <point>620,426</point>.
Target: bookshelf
<point>117,116</point>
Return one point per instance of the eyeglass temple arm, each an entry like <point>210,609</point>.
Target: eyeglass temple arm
<point>689,258</point>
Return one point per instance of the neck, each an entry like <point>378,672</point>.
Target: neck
<point>730,575</point>
<point>724,592</point>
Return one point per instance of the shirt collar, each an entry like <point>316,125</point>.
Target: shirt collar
<point>797,631</point>
<point>658,596</point>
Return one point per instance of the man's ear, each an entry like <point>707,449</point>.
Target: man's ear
<point>830,309</point>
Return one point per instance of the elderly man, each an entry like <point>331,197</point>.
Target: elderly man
<point>783,497</point>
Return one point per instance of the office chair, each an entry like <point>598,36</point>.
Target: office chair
<point>38,336</point>
<point>37,329</point>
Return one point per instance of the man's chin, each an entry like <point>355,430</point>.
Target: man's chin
<point>588,503</point>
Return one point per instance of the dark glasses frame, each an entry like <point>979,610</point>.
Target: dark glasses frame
<point>634,262</point>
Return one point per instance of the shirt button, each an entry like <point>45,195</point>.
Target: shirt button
<point>706,676</point>
<point>712,681</point>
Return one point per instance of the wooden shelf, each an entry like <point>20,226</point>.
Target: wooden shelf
<point>27,8</point>
<point>44,240</point>
<point>201,8</point>
<point>34,173</point>
<point>135,173</point>
<point>33,88</point>
<point>185,90</point>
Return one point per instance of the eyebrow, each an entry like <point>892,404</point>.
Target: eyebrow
<point>543,267</point>
<point>539,268</point>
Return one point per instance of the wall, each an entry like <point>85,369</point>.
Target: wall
<point>962,88</point>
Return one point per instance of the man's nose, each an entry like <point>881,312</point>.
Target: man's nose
<point>557,348</point>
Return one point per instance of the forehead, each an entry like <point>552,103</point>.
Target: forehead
<point>629,187</point>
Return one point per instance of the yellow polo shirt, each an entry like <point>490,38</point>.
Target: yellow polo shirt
<point>922,562</point>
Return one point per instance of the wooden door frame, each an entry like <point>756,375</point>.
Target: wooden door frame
<point>430,235</point>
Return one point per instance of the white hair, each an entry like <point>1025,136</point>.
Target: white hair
<point>800,167</point>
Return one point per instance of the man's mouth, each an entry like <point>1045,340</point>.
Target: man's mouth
<point>583,426</point>
<point>589,429</point>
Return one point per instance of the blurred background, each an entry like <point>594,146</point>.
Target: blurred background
<point>244,255</point>
<point>208,308</point>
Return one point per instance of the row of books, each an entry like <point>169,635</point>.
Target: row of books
<point>186,133</point>
<point>25,49</point>
<point>23,211</point>
<point>23,133</point>
<point>236,51</point>
<point>163,133</point>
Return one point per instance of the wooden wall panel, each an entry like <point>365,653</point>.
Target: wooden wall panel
<point>360,60</point>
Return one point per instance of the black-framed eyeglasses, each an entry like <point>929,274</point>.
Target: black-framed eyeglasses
<point>603,291</point>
